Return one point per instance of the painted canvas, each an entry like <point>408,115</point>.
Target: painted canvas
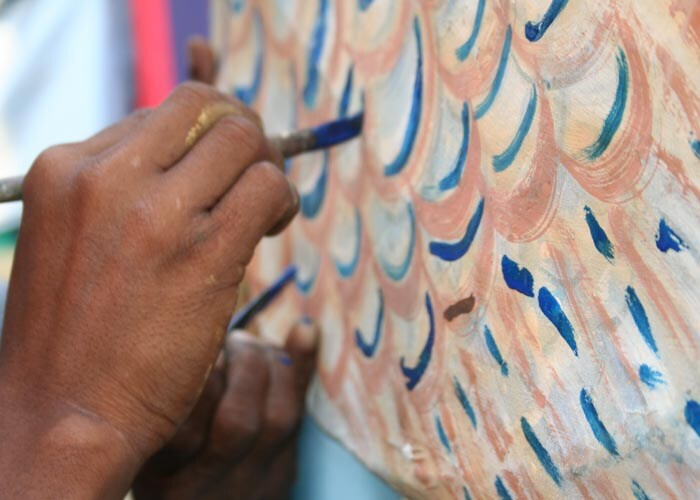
<point>506,266</point>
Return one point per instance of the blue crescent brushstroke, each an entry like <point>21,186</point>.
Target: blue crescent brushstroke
<point>451,252</point>
<point>368,349</point>
<point>482,108</point>
<point>667,239</point>
<point>464,401</point>
<point>318,38</point>
<point>495,351</point>
<point>397,272</point>
<point>638,492</point>
<point>248,94</point>
<point>650,377</point>
<point>540,451</point>
<point>364,4</point>
<point>397,165</point>
<point>501,489</point>
<point>695,146</point>
<point>517,278</point>
<point>310,203</point>
<point>463,51</point>
<point>347,269</point>
<point>237,6</point>
<point>535,31</point>
<point>442,435</point>
<point>465,493</point>
<point>344,105</point>
<point>414,374</point>
<point>305,286</point>
<point>551,308</point>
<point>614,118</point>
<point>597,426</point>
<point>641,319</point>
<point>506,158</point>
<point>600,238</point>
<point>452,179</point>
<point>692,415</point>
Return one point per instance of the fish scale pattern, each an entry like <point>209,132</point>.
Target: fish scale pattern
<point>505,265</point>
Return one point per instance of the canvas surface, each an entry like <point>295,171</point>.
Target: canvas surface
<point>506,265</point>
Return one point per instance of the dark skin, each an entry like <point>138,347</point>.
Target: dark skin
<point>130,253</point>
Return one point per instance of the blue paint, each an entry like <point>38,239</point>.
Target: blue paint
<point>333,133</point>
<point>237,6</point>
<point>318,38</point>
<point>551,308</point>
<point>639,492</point>
<point>535,31</point>
<point>364,4</point>
<point>506,158</point>
<point>347,94</point>
<point>285,359</point>
<point>600,238</point>
<point>650,377</point>
<point>414,116</point>
<point>347,269</point>
<point>414,374</point>
<point>692,415</point>
<point>452,179</point>
<point>310,203</point>
<point>495,351</point>
<point>464,401</point>
<point>463,51</point>
<point>305,286</point>
<point>465,493</point>
<point>519,279</point>
<point>597,426</point>
<point>368,349</point>
<point>614,118</point>
<point>667,239</point>
<point>442,435</point>
<point>482,108</point>
<point>640,318</point>
<point>542,454</point>
<point>397,272</point>
<point>695,146</point>
<point>451,252</point>
<point>248,94</point>
<point>244,315</point>
<point>501,489</point>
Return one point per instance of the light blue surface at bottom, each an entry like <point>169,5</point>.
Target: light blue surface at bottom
<point>326,470</point>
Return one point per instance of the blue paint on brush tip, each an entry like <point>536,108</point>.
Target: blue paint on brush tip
<point>650,377</point>
<point>638,492</point>
<point>347,94</point>
<point>310,203</point>
<point>614,118</point>
<point>333,133</point>
<point>667,239</point>
<point>597,426</point>
<point>640,318</point>
<point>692,415</point>
<point>482,108</point>
<point>318,37</point>
<point>241,318</point>
<point>535,31</point>
<point>452,179</point>
<point>464,401</point>
<point>442,435</point>
<point>398,164</point>
<point>463,51</point>
<point>451,252</point>
<point>551,308</point>
<point>397,272</point>
<point>414,374</point>
<point>600,238</point>
<point>517,278</point>
<point>542,454</point>
<point>695,146</point>
<point>495,351</point>
<point>504,160</point>
<point>501,489</point>
<point>369,348</point>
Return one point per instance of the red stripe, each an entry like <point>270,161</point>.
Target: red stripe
<point>154,50</point>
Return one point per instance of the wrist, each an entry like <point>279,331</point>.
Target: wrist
<point>53,449</point>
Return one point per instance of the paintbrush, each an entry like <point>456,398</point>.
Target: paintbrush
<point>290,144</point>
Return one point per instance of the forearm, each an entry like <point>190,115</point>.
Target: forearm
<point>58,451</point>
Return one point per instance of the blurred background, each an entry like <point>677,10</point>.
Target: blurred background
<point>72,67</point>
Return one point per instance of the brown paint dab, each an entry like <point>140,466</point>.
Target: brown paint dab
<point>464,306</point>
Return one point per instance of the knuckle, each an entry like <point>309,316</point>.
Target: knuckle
<point>234,429</point>
<point>195,93</point>
<point>282,423</point>
<point>245,135</point>
<point>47,173</point>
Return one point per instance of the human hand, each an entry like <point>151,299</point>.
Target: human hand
<point>129,256</point>
<point>240,441</point>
